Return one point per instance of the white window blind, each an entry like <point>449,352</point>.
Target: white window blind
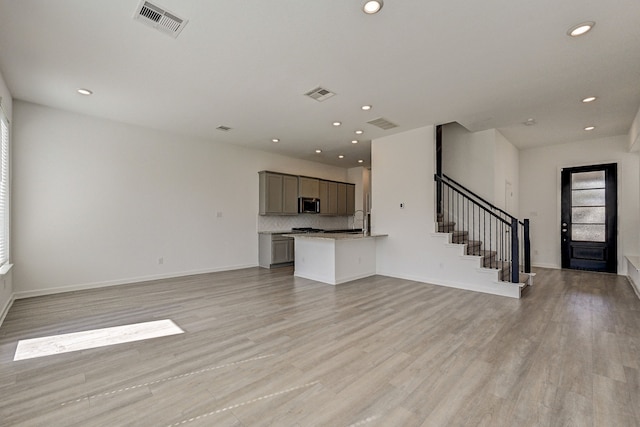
<point>4,190</point>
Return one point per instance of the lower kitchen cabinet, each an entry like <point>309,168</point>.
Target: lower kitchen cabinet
<point>275,250</point>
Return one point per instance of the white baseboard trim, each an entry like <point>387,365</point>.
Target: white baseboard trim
<point>128,281</point>
<point>5,309</point>
<point>506,292</point>
<point>542,265</point>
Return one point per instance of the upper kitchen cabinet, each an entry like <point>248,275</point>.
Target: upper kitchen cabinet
<point>328,198</point>
<point>351,199</point>
<point>342,199</point>
<point>337,198</point>
<point>309,187</point>
<point>278,194</point>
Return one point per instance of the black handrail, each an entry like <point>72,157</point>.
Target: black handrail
<point>465,189</point>
<point>498,217</point>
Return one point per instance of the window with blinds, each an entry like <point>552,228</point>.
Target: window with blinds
<point>4,190</point>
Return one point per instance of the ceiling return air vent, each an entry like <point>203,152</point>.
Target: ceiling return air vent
<point>159,18</point>
<point>383,123</point>
<point>319,94</point>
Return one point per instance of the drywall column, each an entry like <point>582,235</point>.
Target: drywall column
<point>402,173</point>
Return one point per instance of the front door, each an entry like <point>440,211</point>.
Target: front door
<point>589,218</point>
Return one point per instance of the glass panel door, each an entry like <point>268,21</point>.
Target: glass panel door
<point>589,218</point>
<point>588,201</point>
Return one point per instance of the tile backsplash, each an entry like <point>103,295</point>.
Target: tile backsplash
<point>286,223</point>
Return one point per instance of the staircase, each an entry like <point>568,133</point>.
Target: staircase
<point>487,234</point>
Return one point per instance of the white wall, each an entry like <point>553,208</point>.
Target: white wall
<point>634,133</point>
<point>402,167</point>
<point>6,282</point>
<point>469,158</point>
<point>98,202</point>
<point>507,169</point>
<point>540,194</point>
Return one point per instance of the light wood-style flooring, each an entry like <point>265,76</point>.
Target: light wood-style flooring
<point>263,348</point>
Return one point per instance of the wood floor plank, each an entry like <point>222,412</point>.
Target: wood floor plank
<point>262,348</point>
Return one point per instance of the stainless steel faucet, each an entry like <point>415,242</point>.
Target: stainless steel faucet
<point>353,223</point>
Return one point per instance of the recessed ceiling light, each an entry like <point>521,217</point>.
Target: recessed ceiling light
<point>359,132</point>
<point>589,128</point>
<point>530,122</point>
<point>366,107</point>
<point>589,99</point>
<point>372,6</point>
<point>275,140</point>
<point>360,161</point>
<point>337,123</point>
<point>355,141</point>
<point>318,151</point>
<point>341,156</point>
<point>83,91</point>
<point>580,29</point>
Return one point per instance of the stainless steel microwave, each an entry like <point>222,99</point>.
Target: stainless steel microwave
<point>308,205</point>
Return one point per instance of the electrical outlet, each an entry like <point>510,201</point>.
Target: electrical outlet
<point>218,214</point>
<point>161,260</point>
<point>401,205</point>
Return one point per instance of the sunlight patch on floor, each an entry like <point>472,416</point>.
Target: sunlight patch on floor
<point>57,344</point>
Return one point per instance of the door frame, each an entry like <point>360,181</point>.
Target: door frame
<point>557,239</point>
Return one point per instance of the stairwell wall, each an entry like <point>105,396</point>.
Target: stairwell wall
<point>403,166</point>
<point>484,162</point>
<point>469,158</point>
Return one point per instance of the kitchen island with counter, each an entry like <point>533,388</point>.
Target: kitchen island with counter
<point>335,258</point>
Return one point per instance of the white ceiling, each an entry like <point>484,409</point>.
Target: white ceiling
<point>247,63</point>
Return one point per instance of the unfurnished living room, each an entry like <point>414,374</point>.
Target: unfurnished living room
<point>329,213</point>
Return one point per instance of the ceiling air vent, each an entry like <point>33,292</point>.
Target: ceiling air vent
<point>319,94</point>
<point>159,18</point>
<point>223,128</point>
<point>383,123</point>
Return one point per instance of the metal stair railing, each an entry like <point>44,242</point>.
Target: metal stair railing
<point>484,222</point>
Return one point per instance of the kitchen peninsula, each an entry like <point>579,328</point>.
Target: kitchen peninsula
<point>335,258</point>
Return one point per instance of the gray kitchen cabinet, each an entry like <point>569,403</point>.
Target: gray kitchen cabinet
<point>323,191</point>
<point>278,194</point>
<point>342,199</point>
<point>337,198</point>
<point>275,250</point>
<point>309,187</point>
<point>351,199</point>
<point>328,198</point>
<point>290,195</point>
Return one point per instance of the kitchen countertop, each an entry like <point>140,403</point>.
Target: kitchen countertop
<point>335,236</point>
<point>299,232</point>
